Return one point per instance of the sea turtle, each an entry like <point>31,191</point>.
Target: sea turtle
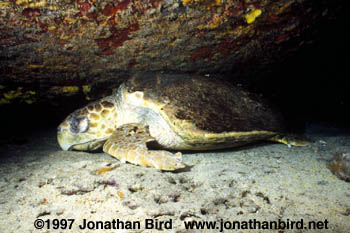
<point>169,112</point>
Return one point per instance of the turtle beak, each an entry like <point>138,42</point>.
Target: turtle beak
<point>61,138</point>
<point>68,141</point>
<point>65,147</point>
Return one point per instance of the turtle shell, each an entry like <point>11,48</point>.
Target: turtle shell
<point>202,109</point>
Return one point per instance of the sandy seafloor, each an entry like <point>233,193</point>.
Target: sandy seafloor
<point>264,181</point>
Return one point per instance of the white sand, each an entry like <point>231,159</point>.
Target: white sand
<point>265,181</point>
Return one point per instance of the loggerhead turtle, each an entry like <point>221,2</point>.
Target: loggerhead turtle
<point>168,111</point>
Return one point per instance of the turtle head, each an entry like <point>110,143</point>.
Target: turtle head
<point>89,127</point>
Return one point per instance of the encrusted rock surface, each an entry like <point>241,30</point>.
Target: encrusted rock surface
<point>88,41</point>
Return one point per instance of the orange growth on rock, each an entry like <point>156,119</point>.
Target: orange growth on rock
<point>202,53</point>
<point>116,40</point>
<point>29,12</point>
<point>111,21</point>
<point>225,47</point>
<point>84,6</point>
<point>122,5</point>
<point>109,10</point>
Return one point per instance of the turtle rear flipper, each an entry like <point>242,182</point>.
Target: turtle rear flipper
<point>128,144</point>
<point>291,140</point>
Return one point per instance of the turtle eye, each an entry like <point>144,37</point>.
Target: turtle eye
<point>79,124</point>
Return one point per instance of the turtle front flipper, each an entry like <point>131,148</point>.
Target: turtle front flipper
<point>128,144</point>
<point>291,140</point>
